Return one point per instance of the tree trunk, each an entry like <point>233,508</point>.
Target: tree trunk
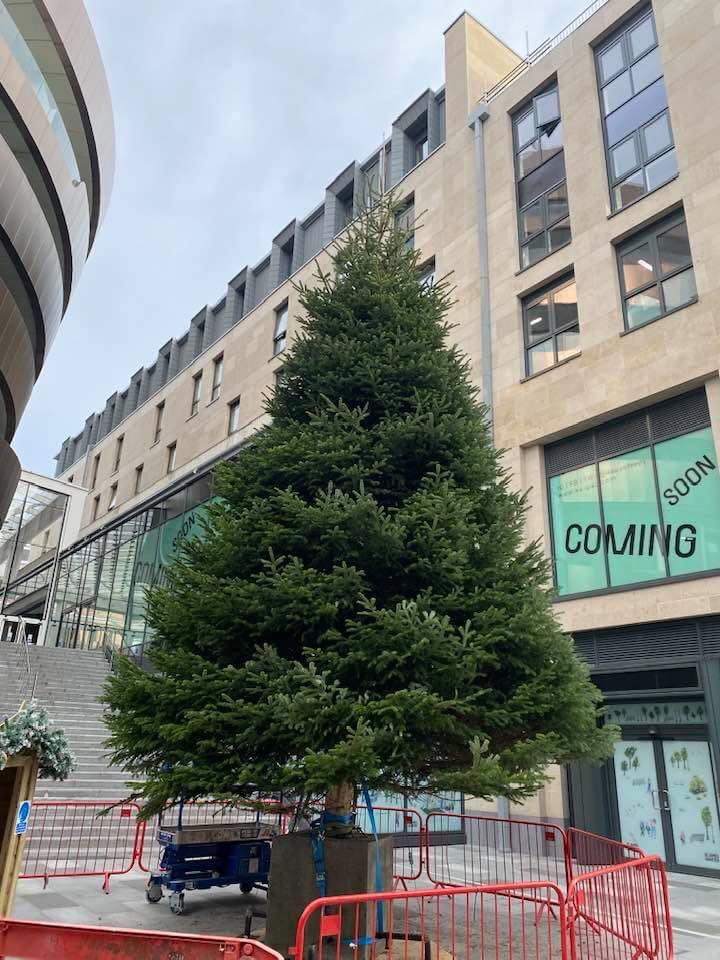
<point>339,801</point>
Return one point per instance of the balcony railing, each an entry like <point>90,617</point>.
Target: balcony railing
<point>539,52</point>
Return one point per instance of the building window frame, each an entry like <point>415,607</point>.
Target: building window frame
<point>557,326</point>
<point>171,457</point>
<point>648,238</point>
<point>646,160</point>
<point>427,274</point>
<point>95,470</point>
<point>95,509</point>
<point>138,478</point>
<point>159,417</point>
<point>234,416</point>
<point>196,392</point>
<point>112,497</point>
<point>280,330</point>
<point>118,453</point>
<point>646,431</point>
<point>549,210</point>
<point>218,373</point>
<point>405,221</point>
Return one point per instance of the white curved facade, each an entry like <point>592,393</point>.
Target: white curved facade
<point>57,154</point>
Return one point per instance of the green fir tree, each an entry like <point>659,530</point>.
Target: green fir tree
<point>362,606</point>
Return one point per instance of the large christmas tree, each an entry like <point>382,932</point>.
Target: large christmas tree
<point>362,606</point>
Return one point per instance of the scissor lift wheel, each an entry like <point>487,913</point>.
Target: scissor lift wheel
<point>153,891</point>
<point>177,903</point>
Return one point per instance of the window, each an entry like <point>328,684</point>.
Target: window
<point>70,478</point>
<point>96,467</point>
<point>640,502</point>
<point>112,498</point>
<point>405,223</point>
<point>118,453</point>
<point>279,376</point>
<point>656,271</point>
<point>638,135</point>
<point>420,148</point>
<point>552,331</point>
<point>138,478</point>
<point>159,414</point>
<point>196,391</point>
<point>280,334</point>
<point>171,451</point>
<point>96,508</point>
<point>543,211</point>
<point>218,364</point>
<point>234,416</point>
<point>426,277</point>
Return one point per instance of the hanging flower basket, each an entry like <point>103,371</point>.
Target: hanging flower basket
<point>29,731</point>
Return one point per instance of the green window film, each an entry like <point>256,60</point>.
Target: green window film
<point>633,536</point>
<point>577,531</point>
<point>690,494</point>
<point>622,527</point>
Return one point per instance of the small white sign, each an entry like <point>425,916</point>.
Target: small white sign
<point>23,815</point>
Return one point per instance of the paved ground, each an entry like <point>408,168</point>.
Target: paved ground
<point>695,909</point>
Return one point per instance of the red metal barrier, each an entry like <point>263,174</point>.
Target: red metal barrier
<point>621,913</point>
<point>406,827</point>
<point>588,851</point>
<point>27,940</point>
<point>67,838</point>
<point>473,923</point>
<point>196,811</point>
<point>466,850</point>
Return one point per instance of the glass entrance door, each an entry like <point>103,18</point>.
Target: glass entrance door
<point>667,802</point>
<point>638,794</point>
<point>693,809</point>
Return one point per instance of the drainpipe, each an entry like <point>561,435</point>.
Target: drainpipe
<point>476,120</point>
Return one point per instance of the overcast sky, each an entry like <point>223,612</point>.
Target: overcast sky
<point>231,117</point>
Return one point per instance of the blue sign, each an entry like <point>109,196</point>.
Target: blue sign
<point>23,815</point>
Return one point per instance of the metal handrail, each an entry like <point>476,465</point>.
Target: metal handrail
<point>539,52</point>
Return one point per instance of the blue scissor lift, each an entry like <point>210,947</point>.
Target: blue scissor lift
<point>205,855</point>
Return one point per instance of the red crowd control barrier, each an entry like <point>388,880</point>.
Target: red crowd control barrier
<point>621,913</point>
<point>587,851</point>
<point>27,940</point>
<point>466,850</point>
<point>494,922</point>
<point>406,828</point>
<point>67,838</point>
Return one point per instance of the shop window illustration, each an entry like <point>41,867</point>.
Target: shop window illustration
<point>706,817</point>
<point>697,786</point>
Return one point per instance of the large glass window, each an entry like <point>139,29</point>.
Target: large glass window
<point>638,135</point>
<point>543,212</point>
<point>552,331</point>
<point>645,514</point>
<point>656,271</point>
<point>100,592</point>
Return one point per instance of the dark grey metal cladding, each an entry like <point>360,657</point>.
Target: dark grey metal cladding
<point>424,118</point>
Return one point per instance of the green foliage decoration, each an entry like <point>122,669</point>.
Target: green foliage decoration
<point>29,730</point>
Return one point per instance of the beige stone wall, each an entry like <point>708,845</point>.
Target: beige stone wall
<point>614,373</point>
